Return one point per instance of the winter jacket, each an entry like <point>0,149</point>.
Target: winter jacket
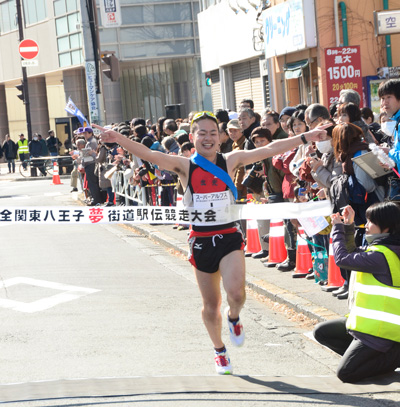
<point>282,162</point>
<point>330,168</point>
<point>35,148</point>
<point>10,150</point>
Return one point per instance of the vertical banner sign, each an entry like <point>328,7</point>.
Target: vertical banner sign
<point>110,13</point>
<point>343,71</point>
<point>91,91</point>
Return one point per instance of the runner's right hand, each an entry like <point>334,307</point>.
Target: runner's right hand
<point>107,135</point>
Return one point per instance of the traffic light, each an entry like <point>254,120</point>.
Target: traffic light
<point>208,79</point>
<point>21,89</point>
<point>112,62</point>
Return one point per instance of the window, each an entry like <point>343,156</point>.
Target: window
<point>160,32</point>
<point>34,11</point>
<point>69,37</point>
<point>64,6</point>
<point>159,49</point>
<point>8,14</point>
<point>156,13</point>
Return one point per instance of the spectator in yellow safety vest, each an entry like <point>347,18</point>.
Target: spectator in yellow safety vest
<point>23,149</point>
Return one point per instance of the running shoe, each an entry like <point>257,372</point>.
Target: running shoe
<point>236,331</point>
<point>222,362</point>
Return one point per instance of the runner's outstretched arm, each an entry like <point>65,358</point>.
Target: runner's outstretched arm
<point>246,157</point>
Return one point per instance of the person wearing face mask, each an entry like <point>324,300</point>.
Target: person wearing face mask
<point>369,338</point>
<point>325,168</point>
<point>35,151</point>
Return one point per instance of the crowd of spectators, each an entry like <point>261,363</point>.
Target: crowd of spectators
<point>314,171</point>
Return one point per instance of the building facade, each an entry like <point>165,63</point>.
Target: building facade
<point>275,52</point>
<point>157,46</point>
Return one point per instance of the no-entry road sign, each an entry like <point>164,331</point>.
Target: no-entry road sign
<point>28,49</point>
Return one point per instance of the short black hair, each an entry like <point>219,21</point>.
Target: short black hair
<point>182,138</point>
<point>140,130</point>
<point>301,107</point>
<point>352,110</point>
<point>147,141</point>
<point>187,146</point>
<point>171,125</point>
<point>385,215</point>
<point>222,116</point>
<point>273,114</point>
<point>137,121</point>
<point>249,101</point>
<point>367,113</point>
<point>333,109</point>
<point>261,132</point>
<point>390,87</point>
<point>299,114</point>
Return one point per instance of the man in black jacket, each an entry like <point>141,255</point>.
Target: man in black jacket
<point>10,152</point>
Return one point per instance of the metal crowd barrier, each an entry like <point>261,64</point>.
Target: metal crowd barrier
<point>134,194</point>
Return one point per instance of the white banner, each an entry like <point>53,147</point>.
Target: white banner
<point>110,11</point>
<point>90,68</point>
<point>160,214</point>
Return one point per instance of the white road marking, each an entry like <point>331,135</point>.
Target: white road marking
<point>52,194</point>
<point>21,197</point>
<point>70,293</point>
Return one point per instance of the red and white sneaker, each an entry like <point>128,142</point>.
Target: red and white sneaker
<point>222,362</point>
<point>236,330</point>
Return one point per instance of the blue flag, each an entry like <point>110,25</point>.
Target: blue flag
<point>72,109</point>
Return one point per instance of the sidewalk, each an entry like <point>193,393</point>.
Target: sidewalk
<point>304,296</point>
<point>16,176</point>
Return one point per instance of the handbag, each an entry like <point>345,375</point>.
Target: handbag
<point>319,262</point>
<point>109,173</point>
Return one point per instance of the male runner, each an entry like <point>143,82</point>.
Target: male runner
<point>215,252</point>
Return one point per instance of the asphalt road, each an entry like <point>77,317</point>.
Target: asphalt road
<point>98,315</point>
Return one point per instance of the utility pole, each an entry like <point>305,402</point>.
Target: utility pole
<point>92,60</point>
<point>25,90</point>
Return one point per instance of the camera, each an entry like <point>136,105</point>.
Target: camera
<point>251,181</point>
<point>251,175</point>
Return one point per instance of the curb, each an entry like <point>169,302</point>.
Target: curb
<point>268,290</point>
<point>3,177</point>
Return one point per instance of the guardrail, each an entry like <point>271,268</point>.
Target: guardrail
<point>135,194</point>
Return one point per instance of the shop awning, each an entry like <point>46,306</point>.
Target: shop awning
<point>295,70</point>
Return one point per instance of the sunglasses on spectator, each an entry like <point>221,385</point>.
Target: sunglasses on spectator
<point>204,115</point>
<point>310,123</point>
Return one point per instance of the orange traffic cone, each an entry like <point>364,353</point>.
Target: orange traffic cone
<point>303,256</point>
<point>253,240</point>
<point>277,249</point>
<point>56,176</point>
<point>335,279</point>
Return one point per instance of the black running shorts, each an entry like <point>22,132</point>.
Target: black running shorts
<point>206,252</point>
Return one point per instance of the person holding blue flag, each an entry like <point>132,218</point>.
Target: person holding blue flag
<point>216,252</point>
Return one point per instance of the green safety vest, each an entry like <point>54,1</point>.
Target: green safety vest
<point>23,147</point>
<point>376,308</point>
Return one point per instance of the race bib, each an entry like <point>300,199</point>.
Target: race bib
<point>212,200</point>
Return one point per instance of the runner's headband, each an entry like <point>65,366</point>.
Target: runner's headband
<point>204,115</point>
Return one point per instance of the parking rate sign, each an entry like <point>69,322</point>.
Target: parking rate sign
<point>28,49</point>
<point>343,71</point>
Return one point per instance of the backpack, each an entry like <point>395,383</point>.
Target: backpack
<point>345,189</point>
